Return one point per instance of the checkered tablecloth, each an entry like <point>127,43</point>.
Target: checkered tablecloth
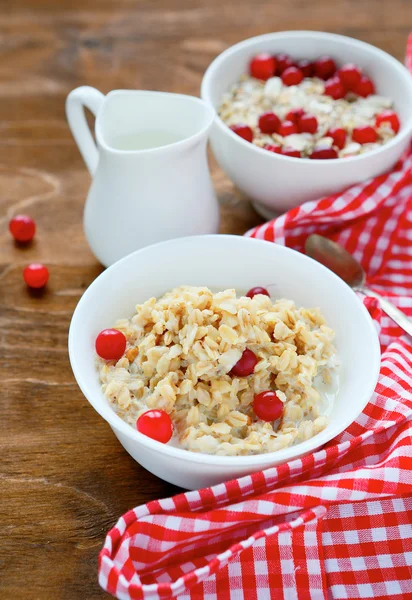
<point>334,524</point>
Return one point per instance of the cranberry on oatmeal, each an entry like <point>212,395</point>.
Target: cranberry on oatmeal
<point>308,110</point>
<point>220,373</point>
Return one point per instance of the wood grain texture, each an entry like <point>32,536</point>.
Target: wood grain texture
<point>64,479</point>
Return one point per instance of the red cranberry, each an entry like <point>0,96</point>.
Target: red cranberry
<point>364,88</point>
<point>257,290</point>
<point>283,62</point>
<point>388,117</point>
<point>288,151</point>
<point>308,124</point>
<point>110,344</point>
<point>262,66</point>
<point>273,148</point>
<point>323,153</point>
<point>22,228</point>
<point>245,365</point>
<point>156,424</point>
<point>269,122</point>
<point>364,135</point>
<point>36,275</point>
<point>292,76</point>
<point>306,67</point>
<point>324,67</point>
<point>350,76</point>
<point>334,88</point>
<point>338,134</point>
<point>288,128</point>
<point>267,406</point>
<point>244,131</point>
<point>294,115</point>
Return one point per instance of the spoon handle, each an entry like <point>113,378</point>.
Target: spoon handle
<point>390,309</point>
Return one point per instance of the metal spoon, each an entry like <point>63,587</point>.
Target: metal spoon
<point>338,260</point>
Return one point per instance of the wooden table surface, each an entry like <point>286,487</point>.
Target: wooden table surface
<point>64,478</point>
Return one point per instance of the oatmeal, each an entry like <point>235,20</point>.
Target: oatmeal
<point>309,111</point>
<point>236,375</point>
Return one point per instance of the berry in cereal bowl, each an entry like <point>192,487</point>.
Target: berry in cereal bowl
<point>308,106</point>
<point>329,92</point>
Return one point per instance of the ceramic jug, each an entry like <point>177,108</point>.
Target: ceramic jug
<point>151,180</point>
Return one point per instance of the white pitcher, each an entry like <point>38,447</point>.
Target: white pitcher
<point>151,180</point>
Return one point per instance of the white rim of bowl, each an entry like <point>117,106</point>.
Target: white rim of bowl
<point>405,131</point>
<point>282,455</point>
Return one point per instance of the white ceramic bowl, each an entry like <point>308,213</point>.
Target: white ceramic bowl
<point>278,183</point>
<point>221,262</point>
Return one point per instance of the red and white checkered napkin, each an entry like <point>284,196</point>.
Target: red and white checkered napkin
<point>335,524</point>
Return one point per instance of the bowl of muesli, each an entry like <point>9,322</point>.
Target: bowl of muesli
<point>302,114</point>
<point>212,357</point>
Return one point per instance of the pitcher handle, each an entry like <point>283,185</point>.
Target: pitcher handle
<point>76,100</point>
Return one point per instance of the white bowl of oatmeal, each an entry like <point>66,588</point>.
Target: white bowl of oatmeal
<point>187,324</point>
<point>275,179</point>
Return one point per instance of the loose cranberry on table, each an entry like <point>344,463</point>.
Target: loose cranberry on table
<point>243,131</point>
<point>350,76</point>
<point>323,153</point>
<point>257,290</point>
<point>291,152</point>
<point>306,67</point>
<point>364,135</point>
<point>338,134</point>
<point>245,365</point>
<point>36,275</point>
<point>273,148</point>
<point>292,76</point>
<point>288,128</point>
<point>364,88</point>
<point>334,88</point>
<point>22,228</point>
<point>283,62</point>
<point>388,117</point>
<point>308,124</point>
<point>267,406</point>
<point>324,67</point>
<point>262,66</point>
<point>269,122</point>
<point>110,344</point>
<point>155,424</point>
<point>294,115</point>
